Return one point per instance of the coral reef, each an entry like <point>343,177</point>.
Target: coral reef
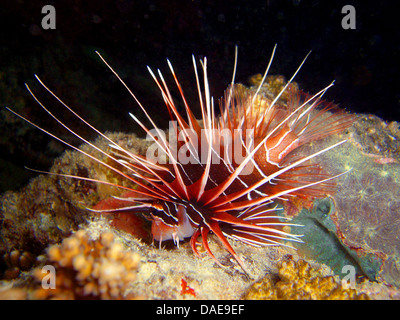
<point>322,243</point>
<point>272,86</point>
<point>36,216</point>
<point>16,262</point>
<point>367,200</point>
<point>89,269</point>
<point>172,273</point>
<point>377,138</point>
<point>50,207</point>
<point>359,226</point>
<point>298,280</point>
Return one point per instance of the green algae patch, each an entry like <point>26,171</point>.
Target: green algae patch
<point>321,243</point>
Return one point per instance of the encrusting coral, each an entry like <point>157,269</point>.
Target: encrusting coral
<point>89,269</point>
<point>17,262</point>
<point>272,86</point>
<point>299,281</point>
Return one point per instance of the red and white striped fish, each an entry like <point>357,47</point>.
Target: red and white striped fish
<point>224,174</point>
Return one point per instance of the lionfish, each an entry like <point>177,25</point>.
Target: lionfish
<point>224,174</point>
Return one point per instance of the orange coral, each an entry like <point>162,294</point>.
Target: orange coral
<point>89,269</point>
<point>299,281</point>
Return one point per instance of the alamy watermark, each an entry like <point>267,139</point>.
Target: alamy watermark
<point>349,280</point>
<point>49,280</point>
<point>49,20</point>
<point>349,20</point>
<point>214,145</point>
